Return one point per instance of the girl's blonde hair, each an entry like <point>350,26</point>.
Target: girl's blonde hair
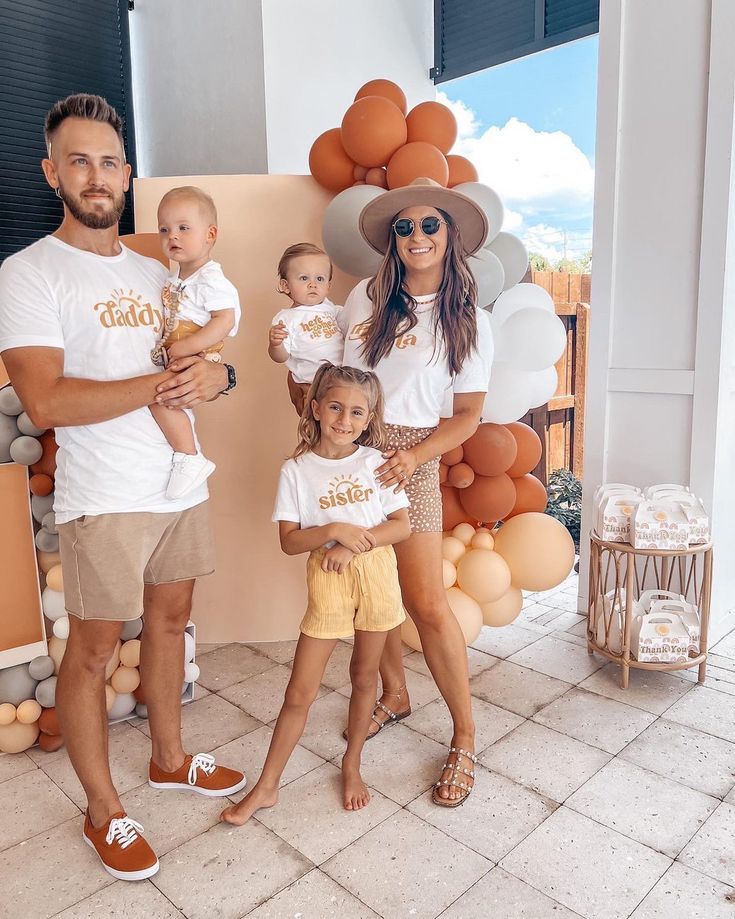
<point>297,250</point>
<point>328,376</point>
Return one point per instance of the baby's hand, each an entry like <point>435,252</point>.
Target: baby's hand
<point>177,349</point>
<point>337,559</point>
<point>277,334</point>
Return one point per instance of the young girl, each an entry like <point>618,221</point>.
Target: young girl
<point>305,333</point>
<point>330,505</point>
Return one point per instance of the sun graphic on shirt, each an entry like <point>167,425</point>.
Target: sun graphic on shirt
<point>343,483</point>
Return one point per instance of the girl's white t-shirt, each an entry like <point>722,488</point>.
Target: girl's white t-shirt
<point>415,376</point>
<point>105,314</point>
<point>313,337</point>
<point>314,491</point>
<point>204,292</point>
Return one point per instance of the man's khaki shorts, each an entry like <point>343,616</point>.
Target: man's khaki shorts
<point>107,560</point>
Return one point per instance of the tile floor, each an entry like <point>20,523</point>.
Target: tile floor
<point>591,801</point>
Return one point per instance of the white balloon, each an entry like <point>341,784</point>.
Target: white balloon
<point>189,648</point>
<point>508,396</point>
<point>541,386</point>
<point>10,404</point>
<point>489,201</point>
<point>26,426</point>
<point>521,297</point>
<point>123,705</point>
<point>52,602</point>
<point>341,231</point>
<point>61,627</point>
<point>489,275</point>
<point>512,253</point>
<point>26,450</point>
<point>191,672</point>
<point>531,339</point>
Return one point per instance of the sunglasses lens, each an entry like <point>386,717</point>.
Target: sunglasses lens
<point>403,226</point>
<point>430,225</point>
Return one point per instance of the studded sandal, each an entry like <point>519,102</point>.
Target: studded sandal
<point>393,717</point>
<point>457,770</point>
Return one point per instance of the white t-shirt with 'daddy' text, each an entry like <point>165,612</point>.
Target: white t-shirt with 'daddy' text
<point>105,314</point>
<point>314,491</point>
<point>313,337</point>
<point>415,375</point>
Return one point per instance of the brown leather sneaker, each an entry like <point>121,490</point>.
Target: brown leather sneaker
<point>124,853</point>
<point>198,773</point>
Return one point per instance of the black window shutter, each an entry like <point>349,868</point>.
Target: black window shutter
<point>471,35</point>
<point>48,50</point>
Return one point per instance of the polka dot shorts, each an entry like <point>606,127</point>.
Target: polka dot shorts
<point>425,510</point>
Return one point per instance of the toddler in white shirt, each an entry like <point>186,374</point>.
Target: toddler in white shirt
<point>305,334</point>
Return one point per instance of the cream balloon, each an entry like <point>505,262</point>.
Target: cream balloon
<point>130,653</point>
<point>110,696</point>
<point>452,549</point>
<point>467,612</point>
<point>7,713</point>
<point>29,712</point>
<point>125,679</point>
<point>513,256</point>
<point>114,661</point>
<point>538,550</point>
<point>464,533</point>
<point>409,634</point>
<point>504,610</point>
<point>449,574</point>
<point>482,540</point>
<point>48,560</point>
<point>17,737</point>
<point>522,296</point>
<point>483,575</point>
<point>54,578</point>
<point>56,648</point>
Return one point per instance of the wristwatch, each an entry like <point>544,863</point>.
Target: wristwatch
<point>231,379</point>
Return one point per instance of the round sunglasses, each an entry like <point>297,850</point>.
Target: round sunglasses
<point>404,226</point>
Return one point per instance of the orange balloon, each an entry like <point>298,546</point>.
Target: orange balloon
<point>49,722</point>
<point>452,510</point>
<point>50,743</point>
<point>328,162</point>
<point>460,170</point>
<point>387,89</point>
<point>489,498</point>
<point>451,457</point>
<point>491,449</point>
<point>529,449</point>
<point>460,475</point>
<point>417,160</point>
<point>359,173</point>
<point>41,485</point>
<point>531,496</point>
<point>373,128</point>
<point>47,464</point>
<point>377,176</point>
<point>432,123</point>
<point>443,472</point>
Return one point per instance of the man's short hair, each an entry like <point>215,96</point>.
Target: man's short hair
<point>82,105</point>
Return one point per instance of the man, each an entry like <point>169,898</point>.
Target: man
<point>79,315</point>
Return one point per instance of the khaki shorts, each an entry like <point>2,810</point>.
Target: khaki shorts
<point>366,596</point>
<point>106,560</point>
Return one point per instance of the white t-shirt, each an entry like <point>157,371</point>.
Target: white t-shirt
<point>105,313</point>
<point>313,337</point>
<point>415,375</point>
<point>314,491</point>
<point>203,292</point>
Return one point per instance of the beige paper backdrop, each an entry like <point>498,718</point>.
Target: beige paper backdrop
<point>257,593</point>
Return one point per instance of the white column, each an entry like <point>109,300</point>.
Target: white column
<point>660,378</point>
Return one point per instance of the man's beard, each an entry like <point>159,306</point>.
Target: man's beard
<point>94,219</point>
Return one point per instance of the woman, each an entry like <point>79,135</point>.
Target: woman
<point>416,325</point>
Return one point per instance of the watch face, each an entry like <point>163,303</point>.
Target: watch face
<point>231,377</point>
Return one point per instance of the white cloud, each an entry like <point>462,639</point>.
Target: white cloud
<point>544,180</point>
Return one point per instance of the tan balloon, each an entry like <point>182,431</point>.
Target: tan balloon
<point>452,549</point>
<point>482,540</point>
<point>110,696</point>
<point>29,712</point>
<point>467,613</point>
<point>114,661</point>
<point>483,575</point>
<point>504,610</point>
<point>130,655</point>
<point>464,533</point>
<point>54,578</point>
<point>7,713</point>
<point>538,549</point>
<point>449,574</point>
<point>125,679</point>
<point>47,560</point>
<point>16,737</point>
<point>56,649</point>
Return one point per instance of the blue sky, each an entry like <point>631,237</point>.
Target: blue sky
<point>529,128</point>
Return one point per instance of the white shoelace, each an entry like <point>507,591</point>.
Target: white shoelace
<point>203,761</point>
<point>124,830</point>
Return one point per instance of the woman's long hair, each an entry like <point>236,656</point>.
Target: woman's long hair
<point>394,309</point>
<point>328,376</point>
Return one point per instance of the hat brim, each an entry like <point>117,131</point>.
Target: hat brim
<point>377,216</point>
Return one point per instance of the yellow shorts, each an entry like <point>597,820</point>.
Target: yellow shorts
<point>366,596</point>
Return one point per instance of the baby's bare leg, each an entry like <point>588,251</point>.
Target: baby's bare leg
<point>176,427</point>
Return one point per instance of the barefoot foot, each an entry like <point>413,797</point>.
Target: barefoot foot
<point>355,792</point>
<point>253,801</point>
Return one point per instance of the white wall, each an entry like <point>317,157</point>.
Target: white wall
<point>317,55</point>
<point>198,87</point>
<point>662,196</point>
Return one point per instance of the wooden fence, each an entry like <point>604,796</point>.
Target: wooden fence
<point>560,423</point>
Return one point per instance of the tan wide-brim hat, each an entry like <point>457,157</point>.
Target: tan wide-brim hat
<point>376,219</point>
